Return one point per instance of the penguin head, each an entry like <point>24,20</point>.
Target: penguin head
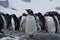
<point>40,14</point>
<point>29,11</point>
<point>55,13</point>
<point>36,14</point>
<point>13,15</point>
<point>24,14</point>
<point>49,13</point>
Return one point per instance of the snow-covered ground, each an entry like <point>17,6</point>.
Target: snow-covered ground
<point>36,5</point>
<point>10,35</point>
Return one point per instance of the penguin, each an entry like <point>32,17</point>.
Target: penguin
<point>38,23</point>
<point>22,22</point>
<point>14,22</point>
<point>51,22</point>
<point>42,22</point>
<point>57,16</point>
<point>7,20</point>
<point>1,24</point>
<point>59,23</point>
<point>31,27</point>
<point>5,23</point>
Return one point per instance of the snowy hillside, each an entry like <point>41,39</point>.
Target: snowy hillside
<point>37,6</point>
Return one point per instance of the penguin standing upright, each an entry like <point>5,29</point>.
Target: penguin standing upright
<point>31,27</point>
<point>57,16</point>
<point>22,22</point>
<point>5,23</point>
<point>51,22</point>
<point>7,20</point>
<point>38,23</point>
<point>59,23</point>
<point>14,22</point>
<point>1,24</point>
<point>42,22</point>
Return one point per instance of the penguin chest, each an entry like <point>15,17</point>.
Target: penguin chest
<point>50,24</point>
<point>31,27</point>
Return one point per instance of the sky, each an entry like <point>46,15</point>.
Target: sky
<point>42,6</point>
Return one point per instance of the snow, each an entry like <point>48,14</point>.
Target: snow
<point>8,38</point>
<point>40,36</point>
<point>37,6</point>
<point>2,0</point>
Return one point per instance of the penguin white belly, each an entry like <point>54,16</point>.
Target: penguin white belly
<point>5,24</point>
<point>22,24</point>
<point>31,27</point>
<point>50,24</point>
<point>12,22</point>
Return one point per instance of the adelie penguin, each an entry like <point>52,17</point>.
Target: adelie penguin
<point>31,27</point>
